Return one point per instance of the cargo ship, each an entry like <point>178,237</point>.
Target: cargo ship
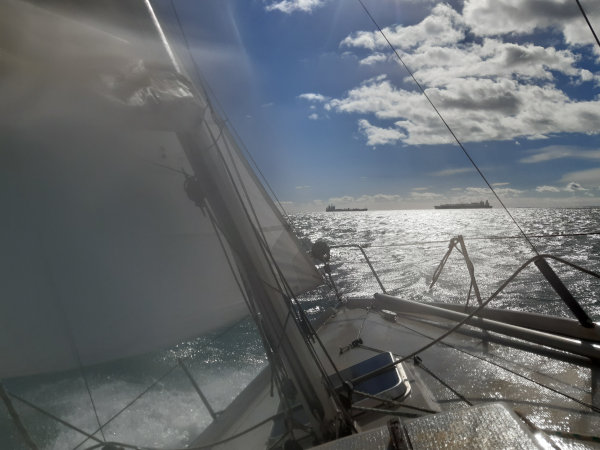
<point>473,205</point>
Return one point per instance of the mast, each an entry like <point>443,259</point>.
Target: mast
<point>207,147</point>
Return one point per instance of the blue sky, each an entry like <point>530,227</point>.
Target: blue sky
<point>331,117</point>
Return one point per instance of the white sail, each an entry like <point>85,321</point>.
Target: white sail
<point>103,253</point>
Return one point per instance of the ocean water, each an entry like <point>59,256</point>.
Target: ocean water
<point>404,247</point>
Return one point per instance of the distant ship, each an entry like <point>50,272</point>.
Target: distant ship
<point>332,208</point>
<point>473,205</point>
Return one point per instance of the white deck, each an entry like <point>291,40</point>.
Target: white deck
<point>481,372</point>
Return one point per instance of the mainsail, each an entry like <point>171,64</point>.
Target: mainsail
<point>104,253</point>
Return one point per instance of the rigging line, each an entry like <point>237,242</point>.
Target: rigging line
<point>448,127</point>
<point>257,230</point>
<point>386,412</point>
<point>264,248</point>
<point>58,419</point>
<point>279,278</point>
<point>238,282</point>
<point>588,22</point>
<point>58,305</point>
<point>390,401</point>
<point>259,233</point>
<point>267,249</point>
<point>500,366</point>
<point>268,350</point>
<point>208,90</point>
<point>128,405</point>
<point>245,209</point>
<point>474,238</point>
<point>273,266</point>
<point>87,387</point>
<point>451,330</point>
<point>419,363</point>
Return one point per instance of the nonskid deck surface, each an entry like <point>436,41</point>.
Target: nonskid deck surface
<point>551,395</point>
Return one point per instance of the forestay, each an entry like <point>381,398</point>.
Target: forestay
<point>103,254</point>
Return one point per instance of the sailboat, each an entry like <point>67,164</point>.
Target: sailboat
<point>135,222</point>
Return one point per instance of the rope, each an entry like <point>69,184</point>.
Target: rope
<point>419,362</point>
<point>386,412</point>
<point>391,401</point>
<point>588,22</point>
<point>59,307</point>
<point>17,419</point>
<point>476,238</point>
<point>481,358</point>
<point>221,110</point>
<point>449,129</point>
<point>457,326</point>
<point>87,387</point>
<point>128,405</point>
<point>58,419</point>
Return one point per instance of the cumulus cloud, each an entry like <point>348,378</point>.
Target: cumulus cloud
<point>443,26</point>
<point>487,87</point>
<point>312,97</point>
<point>425,195</point>
<point>373,59</point>
<point>494,17</point>
<point>379,136</point>
<point>553,152</point>
<point>313,116</point>
<point>547,189</point>
<point>573,187</point>
<point>502,192</point>
<point>478,109</point>
<point>290,6</point>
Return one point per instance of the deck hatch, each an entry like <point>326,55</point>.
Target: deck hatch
<point>391,384</point>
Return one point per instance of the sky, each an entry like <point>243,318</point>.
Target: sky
<point>331,116</point>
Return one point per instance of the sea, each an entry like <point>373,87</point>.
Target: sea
<point>149,401</point>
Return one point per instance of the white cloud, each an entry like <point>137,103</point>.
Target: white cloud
<point>300,188</point>
<point>553,152</point>
<point>477,109</point>
<point>486,88</point>
<point>312,97</point>
<point>587,177</point>
<point>425,195</point>
<point>313,116</point>
<point>573,187</point>
<point>494,17</point>
<point>373,59</point>
<point>500,184</point>
<point>290,6</point>
<point>547,189</point>
<point>379,136</point>
<point>443,26</point>
<point>502,192</point>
